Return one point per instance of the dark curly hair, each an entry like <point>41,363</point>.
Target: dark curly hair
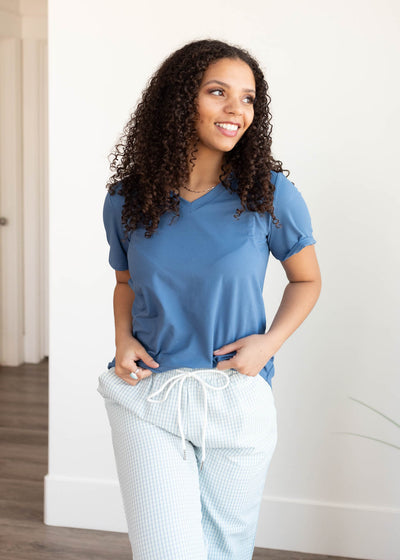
<point>150,160</point>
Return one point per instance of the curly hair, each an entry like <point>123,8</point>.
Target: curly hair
<point>151,160</point>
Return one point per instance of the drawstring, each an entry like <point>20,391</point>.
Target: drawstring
<point>181,378</point>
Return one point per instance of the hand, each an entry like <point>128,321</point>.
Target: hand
<point>252,353</point>
<point>128,351</point>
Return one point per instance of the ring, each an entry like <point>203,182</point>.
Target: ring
<point>133,374</point>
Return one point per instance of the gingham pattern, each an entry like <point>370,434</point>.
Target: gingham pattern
<point>174,511</point>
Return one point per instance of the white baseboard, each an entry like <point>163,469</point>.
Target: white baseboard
<point>83,504</point>
<point>335,529</point>
<point>352,531</point>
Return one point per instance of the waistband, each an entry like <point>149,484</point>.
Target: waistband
<point>181,378</point>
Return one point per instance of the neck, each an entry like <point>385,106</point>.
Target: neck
<point>207,168</point>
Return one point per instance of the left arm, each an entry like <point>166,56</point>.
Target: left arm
<point>299,297</point>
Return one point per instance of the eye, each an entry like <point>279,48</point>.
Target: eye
<point>213,90</point>
<point>250,98</point>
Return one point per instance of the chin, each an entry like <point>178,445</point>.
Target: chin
<point>226,146</point>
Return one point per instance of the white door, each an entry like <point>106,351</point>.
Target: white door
<point>23,201</point>
<point>11,232</point>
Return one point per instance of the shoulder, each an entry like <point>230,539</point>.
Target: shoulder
<point>117,197</point>
<point>112,207</point>
<point>285,190</point>
<point>114,202</point>
<point>276,177</point>
<point>281,182</point>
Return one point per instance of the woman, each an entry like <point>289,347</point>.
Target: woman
<point>195,206</point>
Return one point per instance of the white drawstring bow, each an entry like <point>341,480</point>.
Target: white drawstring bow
<point>181,377</point>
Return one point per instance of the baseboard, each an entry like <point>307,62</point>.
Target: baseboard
<point>83,504</point>
<point>352,531</point>
<point>336,529</point>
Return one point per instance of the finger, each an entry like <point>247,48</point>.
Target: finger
<point>130,380</point>
<point>130,376</point>
<point>129,366</point>
<point>148,360</point>
<point>226,364</point>
<point>227,348</point>
<point>126,377</point>
<point>142,373</point>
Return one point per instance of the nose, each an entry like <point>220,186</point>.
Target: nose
<point>233,106</point>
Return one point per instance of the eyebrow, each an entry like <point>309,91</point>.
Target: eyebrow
<point>226,85</point>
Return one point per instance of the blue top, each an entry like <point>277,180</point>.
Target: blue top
<point>198,282</point>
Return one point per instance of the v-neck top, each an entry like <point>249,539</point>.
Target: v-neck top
<point>203,199</point>
<point>198,281</point>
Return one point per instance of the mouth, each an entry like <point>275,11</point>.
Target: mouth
<point>227,128</point>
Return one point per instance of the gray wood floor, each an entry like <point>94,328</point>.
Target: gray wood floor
<point>23,465</point>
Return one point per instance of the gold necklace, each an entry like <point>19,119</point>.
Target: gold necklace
<point>191,190</point>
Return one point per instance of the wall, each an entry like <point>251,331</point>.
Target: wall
<point>330,68</point>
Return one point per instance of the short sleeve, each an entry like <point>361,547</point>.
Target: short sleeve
<point>112,211</point>
<point>291,210</point>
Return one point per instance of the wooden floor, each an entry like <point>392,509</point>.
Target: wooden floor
<point>23,465</point>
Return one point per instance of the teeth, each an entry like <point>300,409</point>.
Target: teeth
<point>228,126</point>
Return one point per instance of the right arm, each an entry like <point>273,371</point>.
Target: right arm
<point>128,348</point>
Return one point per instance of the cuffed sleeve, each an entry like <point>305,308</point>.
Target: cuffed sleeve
<point>291,210</point>
<point>112,211</point>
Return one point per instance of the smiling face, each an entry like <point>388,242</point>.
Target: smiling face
<point>225,104</point>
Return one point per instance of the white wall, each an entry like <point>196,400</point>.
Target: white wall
<point>331,68</point>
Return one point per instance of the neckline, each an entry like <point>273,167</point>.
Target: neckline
<point>203,199</point>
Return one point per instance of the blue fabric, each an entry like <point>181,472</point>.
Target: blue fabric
<point>198,282</point>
